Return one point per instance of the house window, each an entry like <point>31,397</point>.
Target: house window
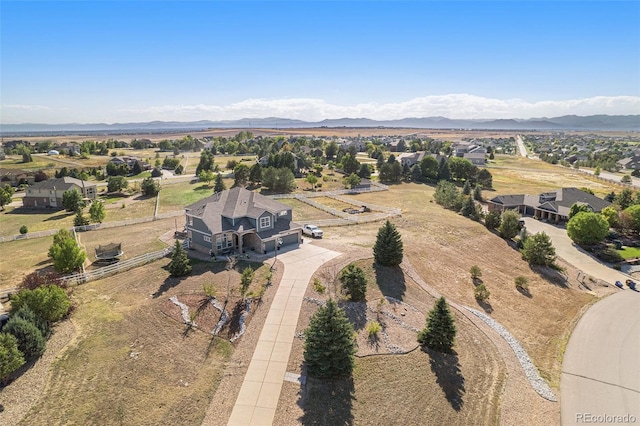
<point>207,238</point>
<point>283,213</point>
<point>190,221</point>
<point>224,241</point>
<point>265,222</point>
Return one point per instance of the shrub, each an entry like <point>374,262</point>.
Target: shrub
<point>39,279</point>
<point>30,340</point>
<point>24,229</point>
<point>10,356</point>
<point>509,225</point>
<point>50,303</point>
<point>481,293</point>
<point>609,255</point>
<point>475,272</point>
<point>28,315</point>
<point>522,283</point>
<point>318,287</point>
<point>373,328</point>
<point>538,250</point>
<point>492,220</point>
<point>245,280</point>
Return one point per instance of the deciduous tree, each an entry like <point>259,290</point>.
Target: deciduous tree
<point>538,250</point>
<point>150,187</point>
<point>67,255</point>
<point>49,303</point>
<point>509,224</point>
<point>6,192</point>
<point>97,212</point>
<point>72,200</point>
<point>587,228</point>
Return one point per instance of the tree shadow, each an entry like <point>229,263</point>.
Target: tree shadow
<point>356,312</point>
<point>59,216</point>
<point>327,402</point>
<point>552,275</point>
<point>485,305</point>
<point>390,280</point>
<point>446,367</point>
<point>525,292</point>
<point>169,283</point>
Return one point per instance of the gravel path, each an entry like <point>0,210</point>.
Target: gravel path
<point>23,393</point>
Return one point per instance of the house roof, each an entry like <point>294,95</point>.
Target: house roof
<point>228,210</point>
<point>559,201</point>
<point>65,183</point>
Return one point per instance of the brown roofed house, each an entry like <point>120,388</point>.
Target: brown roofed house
<point>48,193</point>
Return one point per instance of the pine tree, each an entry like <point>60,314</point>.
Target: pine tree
<point>329,344</point>
<point>354,282</point>
<point>466,189</point>
<point>440,332</point>
<point>218,185</point>
<point>388,249</point>
<point>179,265</point>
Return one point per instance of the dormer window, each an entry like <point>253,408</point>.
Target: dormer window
<point>283,213</point>
<point>265,222</point>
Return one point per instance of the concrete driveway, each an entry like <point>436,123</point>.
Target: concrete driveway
<point>572,254</point>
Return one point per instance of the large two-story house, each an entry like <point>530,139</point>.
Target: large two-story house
<point>238,220</point>
<point>48,193</point>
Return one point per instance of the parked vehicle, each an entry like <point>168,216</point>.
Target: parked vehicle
<point>631,284</point>
<point>619,284</point>
<point>312,230</point>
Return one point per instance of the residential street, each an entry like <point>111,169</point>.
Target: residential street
<point>600,375</point>
<point>521,147</point>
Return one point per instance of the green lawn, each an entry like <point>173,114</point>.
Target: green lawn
<point>35,219</point>
<point>630,252</point>
<point>175,196</point>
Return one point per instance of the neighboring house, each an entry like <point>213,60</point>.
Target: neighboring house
<point>410,158</point>
<point>15,177</point>
<point>476,158</point>
<point>630,163</point>
<point>125,159</point>
<point>553,206</point>
<point>237,220</point>
<point>2,154</point>
<point>48,193</point>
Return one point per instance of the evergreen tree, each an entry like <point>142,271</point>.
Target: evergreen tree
<point>28,315</point>
<point>388,248</point>
<point>150,187</point>
<point>241,174</point>
<point>329,343</point>
<point>444,172</point>
<point>10,356</point>
<point>365,171</point>
<point>179,265</point>
<point>206,161</point>
<point>245,280</point>
<point>509,225</point>
<point>354,282</point>
<point>440,332</point>
<point>30,340</point>
<point>466,188</point>
<point>469,208</point>
<point>255,173</point>
<point>218,185</point>
<point>477,193</point>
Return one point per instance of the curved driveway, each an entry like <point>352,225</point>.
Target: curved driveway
<point>600,373</point>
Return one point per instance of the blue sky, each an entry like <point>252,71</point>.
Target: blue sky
<point>123,61</point>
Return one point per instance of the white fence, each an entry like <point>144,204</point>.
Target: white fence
<point>115,268</point>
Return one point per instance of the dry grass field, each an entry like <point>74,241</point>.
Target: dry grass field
<point>460,388</point>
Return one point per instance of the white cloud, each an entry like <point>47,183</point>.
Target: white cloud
<point>451,106</point>
<point>26,107</point>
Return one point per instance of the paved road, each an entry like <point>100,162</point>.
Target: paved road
<point>572,254</point>
<point>258,398</point>
<point>600,374</point>
<point>521,147</point>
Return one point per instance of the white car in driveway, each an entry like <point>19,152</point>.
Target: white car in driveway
<point>312,230</point>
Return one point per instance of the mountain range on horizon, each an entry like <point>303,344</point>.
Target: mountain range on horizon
<point>567,122</point>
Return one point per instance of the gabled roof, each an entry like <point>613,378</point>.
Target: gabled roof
<point>559,201</point>
<point>65,183</point>
<point>229,210</point>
